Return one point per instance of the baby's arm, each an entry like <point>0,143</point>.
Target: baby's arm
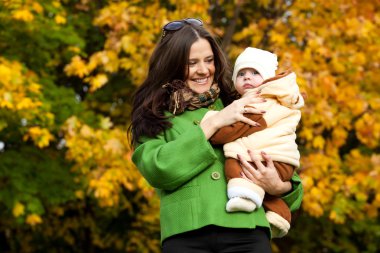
<point>284,170</point>
<point>239,129</point>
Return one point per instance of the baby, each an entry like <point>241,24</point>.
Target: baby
<point>254,71</point>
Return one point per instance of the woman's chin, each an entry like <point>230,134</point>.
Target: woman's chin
<point>199,91</point>
<point>200,88</point>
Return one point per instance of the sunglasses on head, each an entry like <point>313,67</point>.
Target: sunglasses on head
<point>178,24</point>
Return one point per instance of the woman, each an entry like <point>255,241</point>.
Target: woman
<point>188,75</point>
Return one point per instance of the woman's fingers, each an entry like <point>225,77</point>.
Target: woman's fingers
<point>260,166</point>
<point>236,110</point>
<point>249,121</point>
<point>242,174</point>
<point>248,170</point>
<point>250,109</point>
<point>266,177</point>
<point>252,98</point>
<point>267,159</point>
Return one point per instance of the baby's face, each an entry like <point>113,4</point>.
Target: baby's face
<point>247,78</point>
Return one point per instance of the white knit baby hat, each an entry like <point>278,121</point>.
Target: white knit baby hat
<point>263,61</point>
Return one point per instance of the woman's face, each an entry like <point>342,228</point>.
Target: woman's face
<point>201,66</point>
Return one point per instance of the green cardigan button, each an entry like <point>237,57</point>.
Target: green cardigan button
<point>215,175</point>
<point>196,122</point>
<point>211,107</point>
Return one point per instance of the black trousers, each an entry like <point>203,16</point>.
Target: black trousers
<point>215,239</point>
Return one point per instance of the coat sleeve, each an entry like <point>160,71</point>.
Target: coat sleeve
<point>294,198</point>
<point>169,164</point>
<point>239,129</point>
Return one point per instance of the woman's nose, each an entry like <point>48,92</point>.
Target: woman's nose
<point>202,68</point>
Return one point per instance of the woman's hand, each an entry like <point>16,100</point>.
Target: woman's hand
<point>264,176</point>
<point>233,113</point>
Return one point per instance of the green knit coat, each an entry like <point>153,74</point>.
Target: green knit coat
<point>188,174</point>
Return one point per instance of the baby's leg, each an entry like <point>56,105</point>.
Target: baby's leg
<point>243,195</point>
<point>278,215</point>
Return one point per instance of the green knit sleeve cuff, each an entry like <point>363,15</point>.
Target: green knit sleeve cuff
<point>294,198</point>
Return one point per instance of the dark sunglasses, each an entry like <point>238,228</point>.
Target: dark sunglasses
<point>178,24</point>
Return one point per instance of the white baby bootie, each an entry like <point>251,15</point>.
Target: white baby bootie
<point>240,204</point>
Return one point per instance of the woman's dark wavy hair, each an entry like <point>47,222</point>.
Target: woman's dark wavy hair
<point>167,63</point>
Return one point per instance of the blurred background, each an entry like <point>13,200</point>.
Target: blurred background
<point>67,72</point>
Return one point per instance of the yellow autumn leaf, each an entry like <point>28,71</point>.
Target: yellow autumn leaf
<point>37,7</point>
<point>359,58</point>
<point>6,101</point>
<point>307,182</point>
<point>337,218</point>
<point>33,219</point>
<point>375,103</point>
<point>59,19</point>
<point>86,131</point>
<point>318,142</point>
<point>56,4</point>
<point>71,125</point>
<point>351,182</point>
<point>25,103</point>
<point>375,160</point>
<point>106,123</point>
<point>377,199</point>
<point>314,208</point>
<point>128,45</point>
<point>372,211</point>
<point>361,196</point>
<point>23,15</point>
<point>316,193</point>
<point>77,67</point>
<point>339,136</point>
<point>34,88</point>
<point>102,193</point>
<point>126,63</point>
<point>368,129</point>
<point>338,65</point>
<point>110,61</point>
<point>45,139</point>
<point>5,73</point>
<point>74,49</point>
<point>79,194</point>
<point>114,146</point>
<point>278,38</point>
<point>18,209</point>
<point>307,133</point>
<point>40,136</point>
<point>97,81</point>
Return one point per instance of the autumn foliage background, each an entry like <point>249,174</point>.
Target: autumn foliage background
<point>67,72</point>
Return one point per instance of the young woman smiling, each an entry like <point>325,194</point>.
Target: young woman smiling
<point>189,75</point>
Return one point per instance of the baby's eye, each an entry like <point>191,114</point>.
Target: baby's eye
<point>241,73</point>
<point>254,72</point>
